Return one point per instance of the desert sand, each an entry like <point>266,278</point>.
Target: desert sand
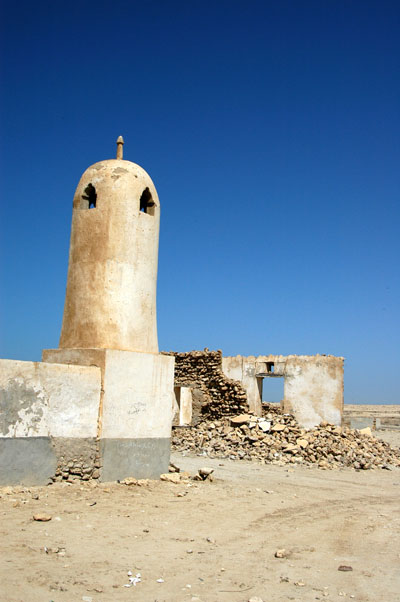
<point>207,541</point>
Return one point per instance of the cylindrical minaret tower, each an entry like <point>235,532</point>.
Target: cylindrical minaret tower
<point>112,274</point>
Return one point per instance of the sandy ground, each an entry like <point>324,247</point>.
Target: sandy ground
<point>211,541</point>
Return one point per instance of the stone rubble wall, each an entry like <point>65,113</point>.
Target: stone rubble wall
<point>76,459</point>
<point>203,370</point>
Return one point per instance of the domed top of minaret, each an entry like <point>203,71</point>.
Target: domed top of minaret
<point>114,175</point>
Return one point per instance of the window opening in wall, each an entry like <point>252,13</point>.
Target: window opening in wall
<point>272,389</point>
<point>270,367</point>
<point>90,197</point>
<point>147,204</point>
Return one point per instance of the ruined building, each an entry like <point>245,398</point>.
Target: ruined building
<point>208,384</point>
<point>101,405</point>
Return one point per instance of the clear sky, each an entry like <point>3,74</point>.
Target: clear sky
<point>271,132</point>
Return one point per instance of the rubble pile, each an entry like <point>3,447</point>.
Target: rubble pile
<point>277,438</point>
<point>203,370</point>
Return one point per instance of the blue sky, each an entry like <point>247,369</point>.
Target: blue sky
<point>271,131</point>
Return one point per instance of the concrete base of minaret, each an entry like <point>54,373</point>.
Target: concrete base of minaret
<point>87,413</point>
<point>135,409</point>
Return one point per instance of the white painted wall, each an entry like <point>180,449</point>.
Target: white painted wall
<point>138,395</point>
<point>41,400</point>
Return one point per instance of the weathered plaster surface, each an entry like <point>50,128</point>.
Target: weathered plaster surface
<point>313,385</point>
<point>112,275</point>
<point>313,389</point>
<point>138,395</point>
<point>244,371</point>
<point>40,400</point>
<point>137,390</point>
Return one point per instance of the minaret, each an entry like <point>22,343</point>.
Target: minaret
<point>110,300</point>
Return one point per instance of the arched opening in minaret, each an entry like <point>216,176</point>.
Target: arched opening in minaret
<point>89,198</point>
<point>147,205</point>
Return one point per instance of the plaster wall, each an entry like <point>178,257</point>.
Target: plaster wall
<point>313,389</point>
<point>40,400</point>
<point>48,421</point>
<point>112,274</point>
<point>313,385</point>
<point>243,370</point>
<point>138,395</point>
<point>185,405</point>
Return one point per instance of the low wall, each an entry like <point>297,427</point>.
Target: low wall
<point>95,413</point>
<point>48,421</point>
<point>378,416</point>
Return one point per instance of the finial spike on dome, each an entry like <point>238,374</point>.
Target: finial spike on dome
<point>120,147</point>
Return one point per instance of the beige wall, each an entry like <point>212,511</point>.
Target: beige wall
<point>138,395</point>
<point>183,405</point>
<point>244,369</point>
<point>112,274</point>
<point>313,385</point>
<point>313,389</point>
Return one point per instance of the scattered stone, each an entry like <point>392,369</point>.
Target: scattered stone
<point>239,420</point>
<point>345,568</point>
<point>281,553</point>
<point>255,599</point>
<point>302,443</point>
<point>299,583</point>
<point>326,446</point>
<point>171,477</point>
<point>278,427</point>
<point>173,468</point>
<point>44,518</point>
<point>205,472</point>
<point>132,481</point>
<point>366,431</point>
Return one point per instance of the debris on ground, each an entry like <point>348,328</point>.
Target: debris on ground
<point>277,438</point>
<point>44,518</point>
<point>203,474</point>
<point>175,477</point>
<point>133,580</point>
<point>132,481</point>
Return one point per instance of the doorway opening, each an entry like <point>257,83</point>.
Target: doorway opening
<point>271,389</point>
